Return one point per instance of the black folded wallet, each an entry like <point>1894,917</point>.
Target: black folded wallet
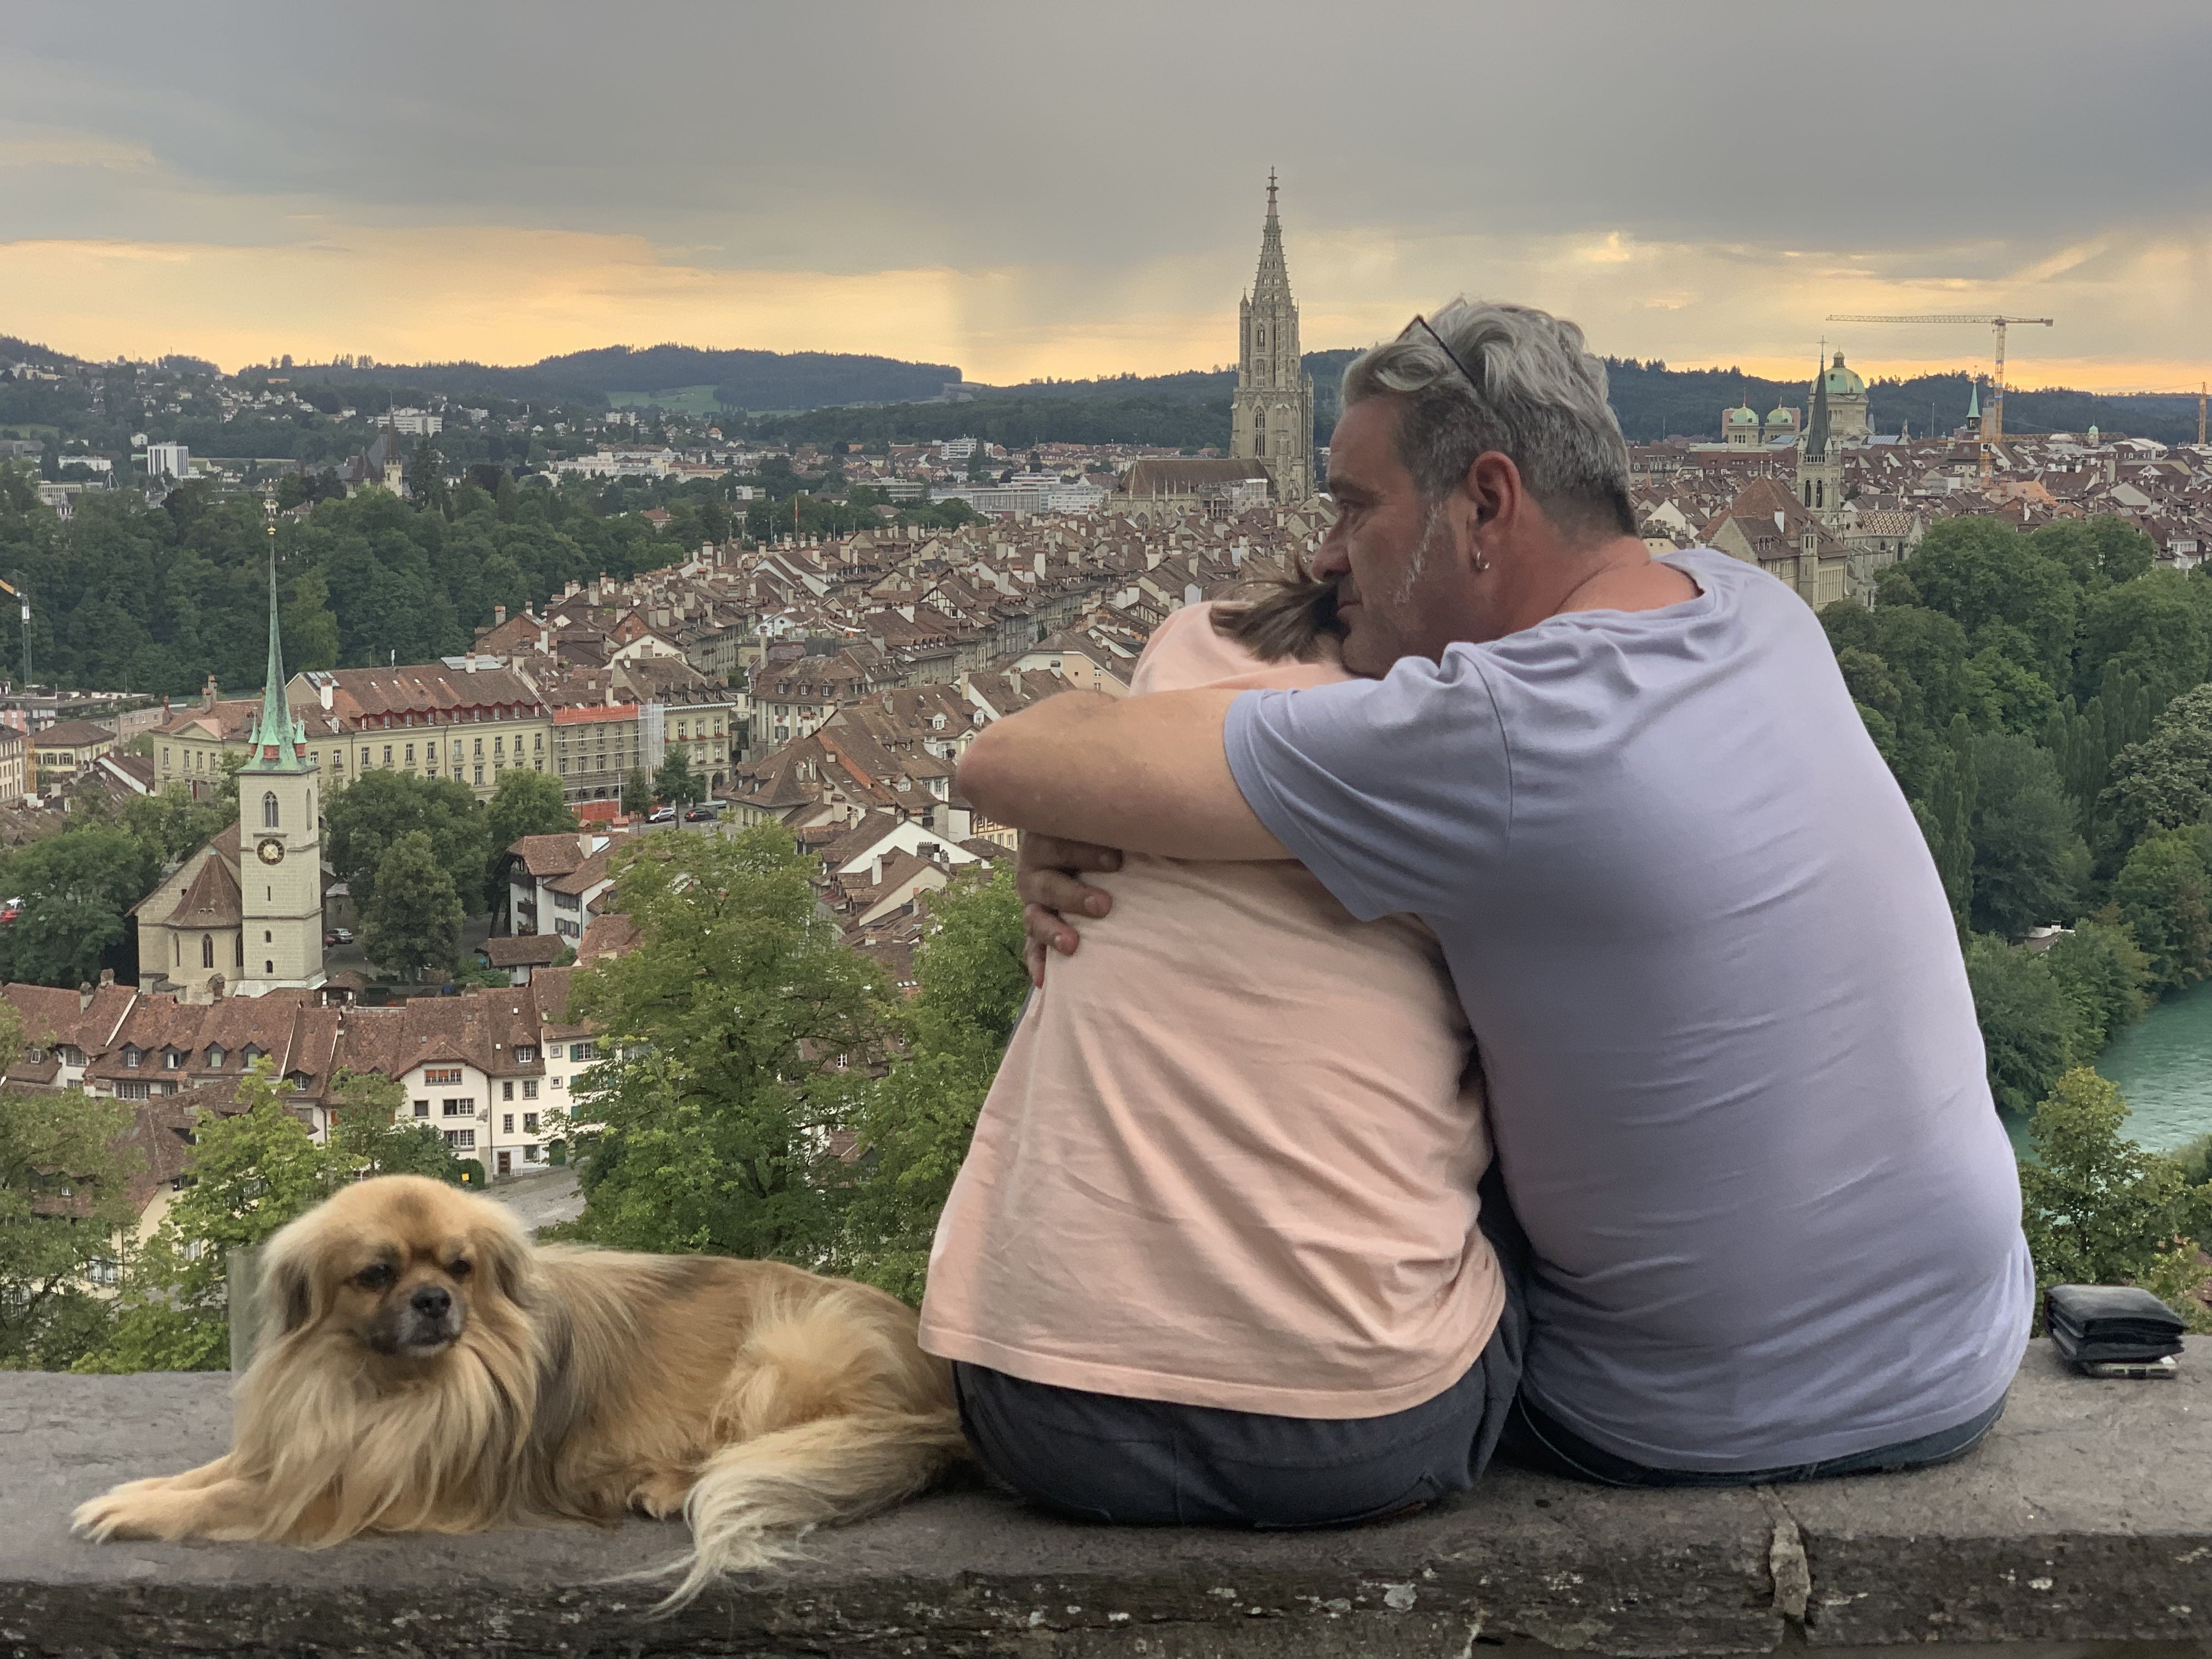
<point>2109,1324</point>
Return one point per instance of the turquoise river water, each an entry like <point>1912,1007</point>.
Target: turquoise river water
<point>2163,1064</point>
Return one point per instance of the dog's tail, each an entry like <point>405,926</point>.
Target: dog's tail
<point>837,1415</point>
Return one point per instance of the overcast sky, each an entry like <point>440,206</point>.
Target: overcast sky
<point>1069,190</point>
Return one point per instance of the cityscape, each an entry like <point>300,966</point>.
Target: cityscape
<point>543,766</point>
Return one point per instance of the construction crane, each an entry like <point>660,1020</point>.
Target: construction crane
<point>1992,423</point>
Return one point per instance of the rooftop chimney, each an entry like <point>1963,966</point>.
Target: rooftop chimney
<point>208,694</point>
<point>498,615</point>
<point>84,996</point>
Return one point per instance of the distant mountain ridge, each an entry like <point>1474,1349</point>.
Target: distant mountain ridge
<point>1651,400</point>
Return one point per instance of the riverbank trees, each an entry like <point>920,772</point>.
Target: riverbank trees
<point>2042,699</point>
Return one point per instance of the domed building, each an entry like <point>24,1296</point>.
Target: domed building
<point>1781,423</point>
<point>1739,427</point>
<point>1847,404</point>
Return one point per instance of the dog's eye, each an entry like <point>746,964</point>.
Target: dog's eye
<point>460,1270</point>
<point>373,1277</point>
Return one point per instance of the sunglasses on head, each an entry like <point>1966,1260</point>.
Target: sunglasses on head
<point>1422,322</point>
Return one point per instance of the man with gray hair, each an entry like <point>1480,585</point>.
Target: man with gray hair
<point>1736,1085</point>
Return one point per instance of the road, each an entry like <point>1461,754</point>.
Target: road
<point>542,1198</point>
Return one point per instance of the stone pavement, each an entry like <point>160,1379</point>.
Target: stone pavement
<point>540,1198</point>
<point>2083,1526</point>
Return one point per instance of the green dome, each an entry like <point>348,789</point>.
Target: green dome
<point>1842,382</point>
<point>1745,416</point>
<point>1781,416</point>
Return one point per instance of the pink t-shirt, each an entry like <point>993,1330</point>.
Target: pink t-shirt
<point>1230,1156</point>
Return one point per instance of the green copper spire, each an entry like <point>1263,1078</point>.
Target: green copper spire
<point>280,743</point>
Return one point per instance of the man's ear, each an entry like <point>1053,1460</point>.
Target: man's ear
<point>1494,489</point>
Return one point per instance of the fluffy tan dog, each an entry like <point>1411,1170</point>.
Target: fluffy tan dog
<point>431,1371</point>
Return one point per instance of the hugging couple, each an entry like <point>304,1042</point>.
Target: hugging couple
<point>1493,995</point>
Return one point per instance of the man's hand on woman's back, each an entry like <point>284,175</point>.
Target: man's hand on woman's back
<point>1050,881</point>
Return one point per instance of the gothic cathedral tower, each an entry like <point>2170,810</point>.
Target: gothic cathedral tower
<point>280,865</point>
<point>1273,417</point>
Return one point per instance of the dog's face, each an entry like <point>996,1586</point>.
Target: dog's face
<point>400,1265</point>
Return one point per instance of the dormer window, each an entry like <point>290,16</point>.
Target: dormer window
<point>215,1056</point>
<point>131,1056</point>
<point>171,1060</point>
<point>250,1053</point>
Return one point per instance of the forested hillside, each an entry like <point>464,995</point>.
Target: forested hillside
<point>154,598</point>
<point>2043,700</point>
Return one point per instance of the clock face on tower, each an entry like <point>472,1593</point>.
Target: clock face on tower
<point>271,851</point>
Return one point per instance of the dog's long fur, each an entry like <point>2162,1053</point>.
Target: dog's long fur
<point>758,1398</point>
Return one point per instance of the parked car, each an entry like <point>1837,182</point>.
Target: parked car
<point>700,815</point>
<point>661,815</point>
<point>338,936</point>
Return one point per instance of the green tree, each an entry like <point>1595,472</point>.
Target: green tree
<point>64,1204</point>
<point>2163,895</point>
<point>364,822</point>
<point>368,1138</point>
<point>77,888</point>
<point>413,925</point>
<point>2106,978</point>
<point>2027,1024</point>
<point>2029,865</point>
<point>674,781</point>
<point>425,476</point>
<point>2166,780</point>
<point>736,1037</point>
<point>637,790</point>
<point>250,1173</point>
<point>914,1124</point>
<point>524,803</point>
<point>2099,1210</point>
<point>1980,570</point>
<point>170,824</point>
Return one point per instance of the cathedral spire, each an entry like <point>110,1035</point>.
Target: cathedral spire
<point>1816,433</point>
<point>1274,279</point>
<point>279,741</point>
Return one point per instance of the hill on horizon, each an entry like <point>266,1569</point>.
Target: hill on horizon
<point>806,389</point>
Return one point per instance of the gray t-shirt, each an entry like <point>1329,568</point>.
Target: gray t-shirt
<point>1736,1087</point>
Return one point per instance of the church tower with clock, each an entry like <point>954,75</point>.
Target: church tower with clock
<point>280,866</point>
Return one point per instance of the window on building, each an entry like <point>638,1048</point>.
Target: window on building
<point>559,1083</point>
<point>461,1140</point>
<point>525,1052</point>
<point>507,1089</point>
<point>529,1088</point>
<point>422,1109</point>
<point>530,1154</point>
<point>441,1074</point>
<point>580,1051</point>
<point>215,1056</point>
<point>479,778</point>
<point>268,809</point>
<point>207,949</point>
<point>507,1123</point>
<point>463,1107</point>
<point>269,969</point>
<point>240,951</point>
<point>131,1057</point>
<point>530,1123</point>
<point>411,754</point>
<point>171,1060</point>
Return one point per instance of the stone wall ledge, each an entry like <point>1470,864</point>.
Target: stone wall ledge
<point>2083,1526</point>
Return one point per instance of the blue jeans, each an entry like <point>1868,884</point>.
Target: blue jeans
<point>1537,1440</point>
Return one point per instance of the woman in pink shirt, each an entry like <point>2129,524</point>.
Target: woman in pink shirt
<point>1213,1255</point>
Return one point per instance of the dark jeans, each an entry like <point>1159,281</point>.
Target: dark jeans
<point>1152,1463</point>
<point>1536,1440</point>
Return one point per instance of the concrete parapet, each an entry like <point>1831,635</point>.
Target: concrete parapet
<point>2083,1526</point>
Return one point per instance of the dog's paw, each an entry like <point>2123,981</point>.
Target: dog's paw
<point>661,1495</point>
<point>134,1510</point>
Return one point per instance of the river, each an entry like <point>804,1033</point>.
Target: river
<point>2163,1064</point>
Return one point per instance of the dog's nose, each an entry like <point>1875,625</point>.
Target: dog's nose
<point>431,1301</point>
